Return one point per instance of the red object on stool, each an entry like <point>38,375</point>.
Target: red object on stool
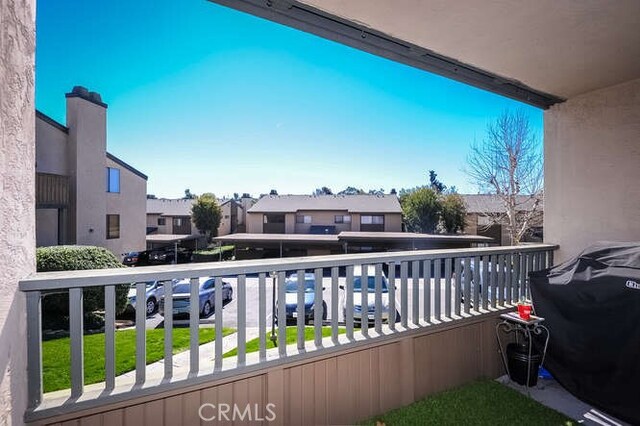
<point>524,310</point>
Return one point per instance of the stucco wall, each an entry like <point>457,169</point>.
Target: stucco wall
<point>254,223</point>
<point>47,229</point>
<point>592,169</point>
<point>393,223</point>
<point>87,123</point>
<point>131,205</point>
<point>17,197</point>
<point>51,150</point>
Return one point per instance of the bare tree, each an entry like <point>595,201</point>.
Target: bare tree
<point>508,163</point>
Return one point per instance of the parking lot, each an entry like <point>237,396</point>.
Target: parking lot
<point>230,311</point>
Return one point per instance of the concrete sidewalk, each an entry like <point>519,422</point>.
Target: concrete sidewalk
<point>206,352</point>
<point>550,393</point>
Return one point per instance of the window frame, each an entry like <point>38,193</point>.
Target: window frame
<point>115,235</point>
<point>115,182</point>
<point>303,219</point>
<point>162,221</point>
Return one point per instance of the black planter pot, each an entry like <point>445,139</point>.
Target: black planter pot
<point>518,360</point>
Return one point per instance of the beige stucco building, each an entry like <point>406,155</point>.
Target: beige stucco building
<point>85,195</point>
<point>169,221</point>
<point>324,214</point>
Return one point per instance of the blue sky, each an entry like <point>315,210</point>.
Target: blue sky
<point>207,98</point>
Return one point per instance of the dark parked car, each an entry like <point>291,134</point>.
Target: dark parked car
<point>161,256</point>
<point>207,290</point>
<point>291,298</point>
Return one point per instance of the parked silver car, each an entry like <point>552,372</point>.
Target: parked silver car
<point>154,292</point>
<point>365,310</point>
<point>207,290</point>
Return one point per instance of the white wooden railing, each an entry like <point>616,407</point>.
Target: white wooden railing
<point>423,287</point>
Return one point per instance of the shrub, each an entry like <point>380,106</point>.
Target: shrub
<point>55,305</point>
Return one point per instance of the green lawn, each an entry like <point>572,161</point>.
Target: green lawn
<point>292,337</point>
<point>56,355</point>
<point>484,402</point>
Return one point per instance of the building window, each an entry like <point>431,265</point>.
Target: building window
<point>177,221</point>
<point>113,180</point>
<point>162,221</point>
<point>342,218</point>
<point>113,226</point>
<point>303,219</point>
<point>372,220</point>
<point>273,218</point>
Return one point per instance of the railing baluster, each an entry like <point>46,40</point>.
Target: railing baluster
<point>392,295</point>
<point>437,285</point>
<point>507,281</point>
<point>404,293</point>
<point>334,303</point>
<point>242,319</point>
<point>523,276</point>
<point>109,337</point>
<point>300,309</point>
<point>427,265</point>
<point>34,347</point>
<point>467,284</point>
<point>194,325</point>
<point>282,314</point>
<point>262,315</point>
<point>77,344</point>
<point>168,329</point>
<point>349,302</point>
<point>550,259</point>
<point>447,287</point>
<point>485,284</point>
<point>515,278</point>
<point>318,313</point>
<point>415,299</point>
<point>217,361</point>
<point>476,283</point>
<point>458,290</point>
<point>364,301</point>
<point>141,333</point>
<point>378,297</point>
<point>501,280</point>
<point>530,265</point>
<point>494,280</point>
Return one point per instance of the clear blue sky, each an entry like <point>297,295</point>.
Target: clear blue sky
<point>211,99</point>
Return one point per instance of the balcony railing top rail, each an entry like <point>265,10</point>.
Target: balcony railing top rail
<point>101,277</point>
<point>383,293</point>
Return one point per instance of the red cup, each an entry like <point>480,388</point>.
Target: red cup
<point>524,310</point>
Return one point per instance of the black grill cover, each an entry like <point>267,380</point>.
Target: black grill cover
<point>592,309</point>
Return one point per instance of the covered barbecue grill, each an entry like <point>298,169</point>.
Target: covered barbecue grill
<point>592,309</point>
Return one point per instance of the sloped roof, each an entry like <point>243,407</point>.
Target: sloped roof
<point>490,203</point>
<point>350,203</point>
<point>170,207</point>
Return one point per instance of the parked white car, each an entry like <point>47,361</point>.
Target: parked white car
<point>367,310</point>
<point>154,291</point>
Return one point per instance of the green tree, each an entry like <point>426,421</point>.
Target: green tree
<point>188,195</point>
<point>421,209</point>
<point>453,213</point>
<point>206,214</point>
<point>435,184</point>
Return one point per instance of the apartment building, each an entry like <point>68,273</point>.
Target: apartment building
<point>84,194</point>
<point>486,216</point>
<point>170,221</point>
<point>324,214</point>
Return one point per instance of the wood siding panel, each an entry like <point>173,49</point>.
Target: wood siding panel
<point>340,388</point>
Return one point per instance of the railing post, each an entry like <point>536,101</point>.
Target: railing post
<point>194,326</point>
<point>349,302</point>
<point>392,295</point>
<point>427,266</point>
<point>217,362</point>
<point>141,333</point>
<point>262,315</point>
<point>415,299</point>
<point>109,336</point>
<point>76,330</point>
<point>168,329</point>
<point>34,348</point>
<point>242,319</point>
<point>301,309</point>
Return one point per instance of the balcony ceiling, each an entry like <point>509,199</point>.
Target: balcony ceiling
<point>560,47</point>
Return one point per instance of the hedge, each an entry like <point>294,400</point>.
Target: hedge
<point>55,305</point>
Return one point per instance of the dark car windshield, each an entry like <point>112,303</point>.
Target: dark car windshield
<point>292,286</point>
<point>357,284</point>
<point>182,288</point>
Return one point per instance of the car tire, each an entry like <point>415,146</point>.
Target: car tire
<point>152,306</point>
<point>206,310</point>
